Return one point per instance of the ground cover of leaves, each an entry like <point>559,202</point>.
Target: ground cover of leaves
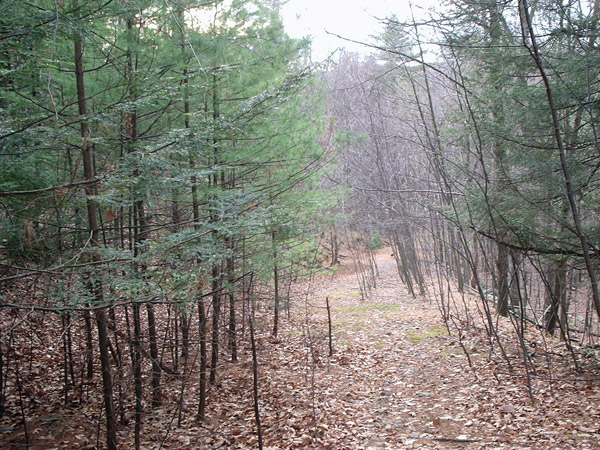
<point>396,380</point>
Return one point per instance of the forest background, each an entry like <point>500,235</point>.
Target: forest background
<point>170,170</point>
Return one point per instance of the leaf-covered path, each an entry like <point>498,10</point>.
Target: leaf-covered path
<point>397,380</point>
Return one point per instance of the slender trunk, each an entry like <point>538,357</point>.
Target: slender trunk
<point>475,262</point>
<point>96,285</point>
<point>402,264</point>
<point>174,334</point>
<point>329,326</point>
<point>19,384</point>
<point>118,359</point>
<point>185,332</point>
<point>69,350</point>
<point>203,359</point>
<point>217,180</point>
<point>255,384</point>
<point>89,346</point>
<point>556,298</point>
<point>335,247</point>
<point>156,370</point>
<point>275,285</point>
<point>65,360</point>
<point>216,310</point>
<point>2,407</point>
<point>201,310</point>
<point>231,293</point>
<point>137,373</point>
<point>502,290</point>
<point>107,386</point>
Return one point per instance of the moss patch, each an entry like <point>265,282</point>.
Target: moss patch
<point>369,306</point>
<point>416,336</point>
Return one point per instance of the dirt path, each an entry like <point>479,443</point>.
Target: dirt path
<point>398,381</point>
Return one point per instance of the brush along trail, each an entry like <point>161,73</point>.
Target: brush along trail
<point>397,380</point>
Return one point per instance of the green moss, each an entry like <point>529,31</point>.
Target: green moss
<point>344,293</point>
<point>369,306</point>
<point>416,336</point>
<point>453,351</point>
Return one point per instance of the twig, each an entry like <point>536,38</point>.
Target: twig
<point>329,322</point>
<point>21,406</point>
<point>255,383</point>
<point>572,380</point>
<point>445,439</point>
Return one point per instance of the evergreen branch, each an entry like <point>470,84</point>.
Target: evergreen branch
<point>48,189</point>
<point>54,270</point>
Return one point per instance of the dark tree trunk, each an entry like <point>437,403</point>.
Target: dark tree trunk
<point>107,386</point>
<point>203,358</point>
<point>216,311</point>
<point>556,299</point>
<point>502,268</point>
<point>89,346</point>
<point>156,370</point>
<point>96,286</point>
<point>231,294</point>
<point>275,285</point>
<point>137,374</point>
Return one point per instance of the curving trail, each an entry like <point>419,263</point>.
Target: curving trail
<point>397,380</point>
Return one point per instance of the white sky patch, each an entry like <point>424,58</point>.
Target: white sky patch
<point>352,19</point>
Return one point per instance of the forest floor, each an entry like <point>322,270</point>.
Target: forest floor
<point>396,380</point>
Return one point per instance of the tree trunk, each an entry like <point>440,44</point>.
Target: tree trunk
<point>89,345</point>
<point>275,286</point>
<point>216,311</point>
<point>502,288</point>
<point>203,358</point>
<point>137,374</point>
<point>96,286</point>
<point>217,273</point>
<point>231,293</point>
<point>556,299</point>
<point>107,385</point>
<point>475,261</point>
<point>156,370</point>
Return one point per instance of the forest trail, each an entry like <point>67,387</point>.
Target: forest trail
<point>397,380</point>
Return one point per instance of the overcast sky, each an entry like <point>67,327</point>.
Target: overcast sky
<point>353,19</point>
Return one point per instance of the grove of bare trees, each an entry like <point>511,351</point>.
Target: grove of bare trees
<point>468,142</point>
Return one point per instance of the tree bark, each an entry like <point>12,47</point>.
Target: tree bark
<point>96,285</point>
<point>275,285</point>
<point>502,269</point>
<point>216,310</point>
<point>203,359</point>
<point>230,269</point>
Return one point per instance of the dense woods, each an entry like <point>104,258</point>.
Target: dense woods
<point>174,175</point>
<point>485,160</point>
